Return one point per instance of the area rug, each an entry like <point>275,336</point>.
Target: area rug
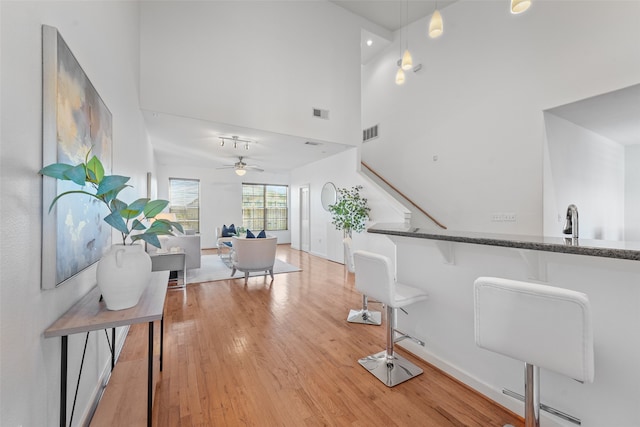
<point>212,268</point>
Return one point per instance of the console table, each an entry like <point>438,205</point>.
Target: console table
<point>91,314</point>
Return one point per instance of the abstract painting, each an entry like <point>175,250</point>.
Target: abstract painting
<point>75,121</point>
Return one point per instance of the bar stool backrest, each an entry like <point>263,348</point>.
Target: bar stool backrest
<point>542,325</point>
<point>374,276</point>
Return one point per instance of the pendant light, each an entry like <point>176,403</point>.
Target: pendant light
<point>407,61</point>
<point>435,25</point>
<point>519,6</point>
<point>400,77</point>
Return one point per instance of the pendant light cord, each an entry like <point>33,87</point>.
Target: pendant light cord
<point>401,29</point>
<point>406,24</point>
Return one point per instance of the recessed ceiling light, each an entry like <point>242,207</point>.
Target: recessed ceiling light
<point>369,42</point>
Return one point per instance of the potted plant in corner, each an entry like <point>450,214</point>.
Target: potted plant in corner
<point>351,211</point>
<point>123,272</point>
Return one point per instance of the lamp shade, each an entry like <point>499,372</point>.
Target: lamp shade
<point>435,25</point>
<point>240,172</point>
<point>519,6</point>
<point>400,77</point>
<point>169,216</point>
<point>407,62</point>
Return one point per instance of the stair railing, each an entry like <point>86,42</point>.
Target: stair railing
<point>404,196</point>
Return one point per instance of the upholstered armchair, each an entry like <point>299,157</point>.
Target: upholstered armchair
<point>253,255</point>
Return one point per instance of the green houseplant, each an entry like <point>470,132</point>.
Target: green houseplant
<point>126,218</point>
<point>124,271</point>
<point>351,211</point>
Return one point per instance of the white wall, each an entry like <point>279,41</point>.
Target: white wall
<point>446,323</point>
<point>588,170</point>
<point>341,170</point>
<point>257,64</point>
<point>477,102</point>
<point>632,193</point>
<point>220,196</point>
<point>104,38</point>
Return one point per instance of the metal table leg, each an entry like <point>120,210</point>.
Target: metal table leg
<point>113,348</point>
<point>184,272</point>
<point>161,340</point>
<point>150,376</point>
<point>63,380</point>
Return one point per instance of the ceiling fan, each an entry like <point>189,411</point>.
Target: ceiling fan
<point>241,167</point>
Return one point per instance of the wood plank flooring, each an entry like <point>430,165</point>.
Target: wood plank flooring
<point>281,354</point>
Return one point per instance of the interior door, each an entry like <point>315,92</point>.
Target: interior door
<point>305,231</point>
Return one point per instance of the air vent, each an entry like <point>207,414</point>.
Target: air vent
<point>321,114</point>
<point>312,143</point>
<point>370,133</point>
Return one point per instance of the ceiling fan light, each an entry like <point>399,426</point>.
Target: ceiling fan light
<point>435,25</point>
<point>407,61</point>
<point>221,142</point>
<point>519,6</point>
<point>400,77</point>
<point>241,172</point>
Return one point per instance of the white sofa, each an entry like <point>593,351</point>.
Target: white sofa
<point>190,244</point>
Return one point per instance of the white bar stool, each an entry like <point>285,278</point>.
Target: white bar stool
<point>543,326</point>
<point>375,278</point>
<point>363,315</point>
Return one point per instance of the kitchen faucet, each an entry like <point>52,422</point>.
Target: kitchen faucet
<point>571,224</point>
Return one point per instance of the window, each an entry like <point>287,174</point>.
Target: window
<point>184,201</point>
<point>264,207</point>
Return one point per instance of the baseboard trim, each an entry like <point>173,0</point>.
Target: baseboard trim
<point>318,254</point>
<point>474,383</point>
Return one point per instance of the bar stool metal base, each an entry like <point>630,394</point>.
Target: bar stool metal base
<point>391,374</point>
<point>365,316</point>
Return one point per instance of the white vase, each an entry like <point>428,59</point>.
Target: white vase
<point>123,274</point>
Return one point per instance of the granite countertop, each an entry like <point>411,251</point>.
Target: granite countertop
<point>599,248</point>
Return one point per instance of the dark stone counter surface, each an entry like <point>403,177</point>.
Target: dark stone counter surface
<point>598,248</point>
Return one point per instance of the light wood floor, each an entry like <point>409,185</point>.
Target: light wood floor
<point>279,354</point>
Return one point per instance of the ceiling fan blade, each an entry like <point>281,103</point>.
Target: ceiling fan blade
<point>240,164</point>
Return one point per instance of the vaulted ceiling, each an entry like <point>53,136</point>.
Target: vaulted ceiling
<point>185,140</point>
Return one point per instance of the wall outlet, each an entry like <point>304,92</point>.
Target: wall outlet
<point>503,217</point>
